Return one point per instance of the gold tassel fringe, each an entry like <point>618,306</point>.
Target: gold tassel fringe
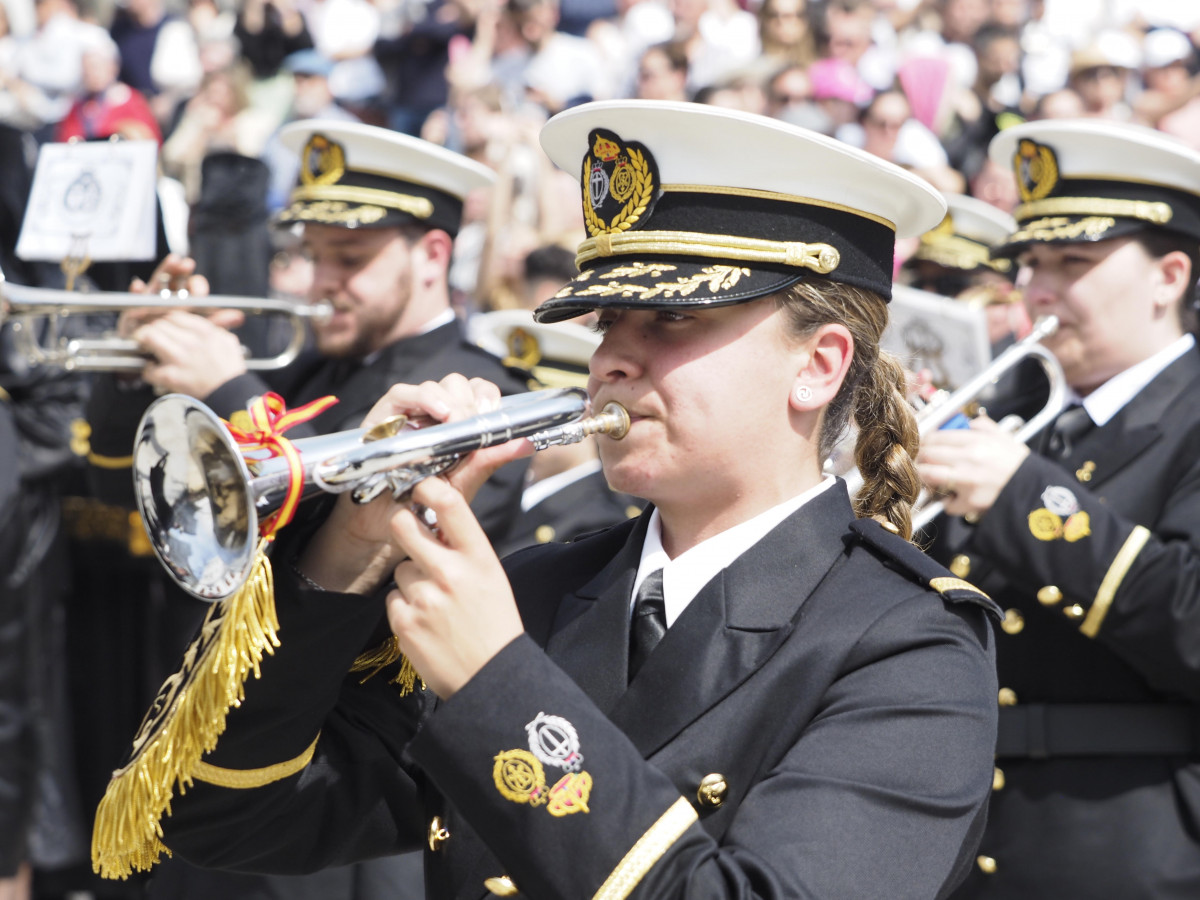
<point>184,723</point>
<point>381,657</point>
<point>374,661</point>
<point>407,677</point>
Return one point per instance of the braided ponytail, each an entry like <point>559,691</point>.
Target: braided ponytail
<point>873,393</point>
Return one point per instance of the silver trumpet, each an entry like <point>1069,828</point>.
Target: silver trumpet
<point>201,497</point>
<point>26,306</point>
<point>942,409</point>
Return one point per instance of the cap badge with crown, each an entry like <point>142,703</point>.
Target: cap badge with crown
<point>620,184</point>
<point>1036,168</point>
<point>322,161</point>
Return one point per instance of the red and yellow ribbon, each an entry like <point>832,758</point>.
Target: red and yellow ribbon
<point>269,417</point>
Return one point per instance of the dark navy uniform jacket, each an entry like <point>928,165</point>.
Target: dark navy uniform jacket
<point>839,712</point>
<point>1097,562</point>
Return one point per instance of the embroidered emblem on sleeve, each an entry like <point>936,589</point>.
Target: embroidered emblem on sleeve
<point>1059,517</point>
<point>570,794</point>
<point>520,775</point>
<point>554,741</point>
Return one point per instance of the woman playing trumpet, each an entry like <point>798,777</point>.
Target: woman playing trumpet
<point>748,690</point>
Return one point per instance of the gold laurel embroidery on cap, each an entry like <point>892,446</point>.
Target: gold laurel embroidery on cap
<point>414,205</point>
<point>1112,579</point>
<point>642,193</point>
<point>519,777</point>
<point>647,851</point>
<point>715,278</point>
<point>322,161</point>
<point>637,269</point>
<point>1059,229</point>
<point>1045,525</point>
<point>1036,168</point>
<point>1155,212</point>
<point>956,252</point>
<point>333,211</point>
<point>244,779</point>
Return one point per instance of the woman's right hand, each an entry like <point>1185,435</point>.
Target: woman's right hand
<point>353,551</point>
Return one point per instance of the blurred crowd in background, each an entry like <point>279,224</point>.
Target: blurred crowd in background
<point>923,83</point>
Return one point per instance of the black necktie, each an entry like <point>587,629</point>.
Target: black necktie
<point>1072,423</point>
<point>649,621</point>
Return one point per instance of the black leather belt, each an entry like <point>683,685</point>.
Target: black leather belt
<point>1040,730</point>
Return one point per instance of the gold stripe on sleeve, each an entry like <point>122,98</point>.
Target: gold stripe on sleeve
<point>110,462</point>
<point>648,850</point>
<point>243,779</point>
<point>1112,580</point>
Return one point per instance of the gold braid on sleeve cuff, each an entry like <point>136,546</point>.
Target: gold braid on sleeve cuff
<point>1112,580</point>
<point>648,850</point>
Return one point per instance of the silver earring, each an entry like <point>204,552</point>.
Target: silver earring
<point>803,394</point>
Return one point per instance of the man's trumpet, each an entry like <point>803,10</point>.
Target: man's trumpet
<point>942,409</point>
<point>26,307</point>
<point>201,496</point>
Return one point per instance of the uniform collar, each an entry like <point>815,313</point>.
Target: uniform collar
<point>1111,397</point>
<point>684,576</point>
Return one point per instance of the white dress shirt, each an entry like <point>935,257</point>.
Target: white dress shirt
<point>684,576</point>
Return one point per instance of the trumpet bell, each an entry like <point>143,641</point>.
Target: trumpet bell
<point>202,496</point>
<point>193,491</point>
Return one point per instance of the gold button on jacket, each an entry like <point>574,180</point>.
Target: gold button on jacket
<point>712,790</point>
<point>438,834</point>
<point>1049,595</point>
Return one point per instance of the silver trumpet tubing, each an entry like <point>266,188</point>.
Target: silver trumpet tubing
<point>202,497</point>
<point>942,409</point>
<point>27,307</point>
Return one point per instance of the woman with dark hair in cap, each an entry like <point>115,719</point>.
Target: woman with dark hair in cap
<point>750,689</point>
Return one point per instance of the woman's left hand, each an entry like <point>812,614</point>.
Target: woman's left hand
<point>453,608</point>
